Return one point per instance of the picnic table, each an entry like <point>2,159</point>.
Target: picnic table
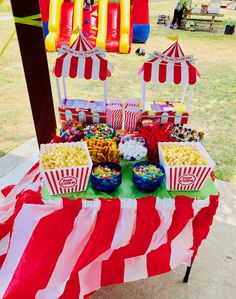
<point>210,18</point>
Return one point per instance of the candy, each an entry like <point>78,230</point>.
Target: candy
<point>122,133</point>
<point>63,156</point>
<point>97,131</point>
<point>71,131</point>
<point>182,154</point>
<point>103,150</point>
<point>187,134</point>
<point>148,172</point>
<point>132,150</point>
<point>105,172</point>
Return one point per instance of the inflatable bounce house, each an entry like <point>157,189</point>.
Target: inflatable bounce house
<point>113,26</point>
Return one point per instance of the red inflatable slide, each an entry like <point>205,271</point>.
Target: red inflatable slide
<point>65,24</point>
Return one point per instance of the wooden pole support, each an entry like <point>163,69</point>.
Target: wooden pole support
<point>34,59</point>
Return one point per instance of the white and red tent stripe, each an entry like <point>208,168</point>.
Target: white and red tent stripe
<point>71,248</point>
<point>89,67</point>
<point>164,71</point>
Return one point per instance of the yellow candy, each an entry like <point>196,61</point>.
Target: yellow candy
<point>63,156</point>
<point>179,154</point>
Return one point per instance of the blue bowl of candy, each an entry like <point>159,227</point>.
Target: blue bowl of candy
<point>147,176</point>
<point>106,176</point>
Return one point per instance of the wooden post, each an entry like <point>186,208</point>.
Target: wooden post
<point>35,65</point>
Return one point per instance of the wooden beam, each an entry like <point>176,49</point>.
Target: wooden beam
<point>35,66</point>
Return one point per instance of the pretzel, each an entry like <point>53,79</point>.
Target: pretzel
<point>103,150</point>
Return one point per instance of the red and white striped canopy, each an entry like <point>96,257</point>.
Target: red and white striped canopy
<point>171,66</point>
<point>82,61</point>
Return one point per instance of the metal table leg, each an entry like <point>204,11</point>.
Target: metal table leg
<point>186,276</point>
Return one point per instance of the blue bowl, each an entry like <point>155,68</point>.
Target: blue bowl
<point>107,185</point>
<point>144,184</point>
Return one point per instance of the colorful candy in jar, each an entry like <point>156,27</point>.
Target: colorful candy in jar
<point>148,172</point>
<point>105,172</point>
<point>132,150</point>
<point>182,154</point>
<point>99,131</point>
<point>63,156</point>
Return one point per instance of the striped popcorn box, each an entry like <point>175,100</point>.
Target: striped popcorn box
<point>132,117</point>
<point>186,178</point>
<point>114,115</point>
<point>132,103</point>
<point>69,179</point>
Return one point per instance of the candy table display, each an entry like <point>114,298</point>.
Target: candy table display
<point>114,238</point>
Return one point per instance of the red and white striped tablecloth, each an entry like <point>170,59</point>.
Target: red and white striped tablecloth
<point>70,249</point>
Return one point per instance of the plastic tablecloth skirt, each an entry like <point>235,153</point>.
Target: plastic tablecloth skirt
<point>66,248</point>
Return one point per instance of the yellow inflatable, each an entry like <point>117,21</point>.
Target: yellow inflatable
<point>124,26</point>
<point>102,24</point>
<point>53,25</point>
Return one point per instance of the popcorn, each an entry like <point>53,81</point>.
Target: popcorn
<point>178,155</point>
<point>63,156</point>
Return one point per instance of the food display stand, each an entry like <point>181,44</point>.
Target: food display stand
<point>83,62</point>
<point>170,67</point>
<point>65,248</point>
<point>67,244</point>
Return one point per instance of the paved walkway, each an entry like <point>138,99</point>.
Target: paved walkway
<point>214,271</point>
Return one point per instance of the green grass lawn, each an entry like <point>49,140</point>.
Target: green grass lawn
<point>213,108</point>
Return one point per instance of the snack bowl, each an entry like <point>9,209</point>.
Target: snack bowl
<point>110,183</point>
<point>150,182</point>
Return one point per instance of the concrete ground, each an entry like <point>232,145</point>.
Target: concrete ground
<point>213,275</point>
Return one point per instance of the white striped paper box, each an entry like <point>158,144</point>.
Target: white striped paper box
<point>114,114</point>
<point>69,179</point>
<point>132,117</point>
<point>186,177</point>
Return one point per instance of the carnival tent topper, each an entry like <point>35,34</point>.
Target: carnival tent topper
<point>171,67</point>
<point>84,62</point>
